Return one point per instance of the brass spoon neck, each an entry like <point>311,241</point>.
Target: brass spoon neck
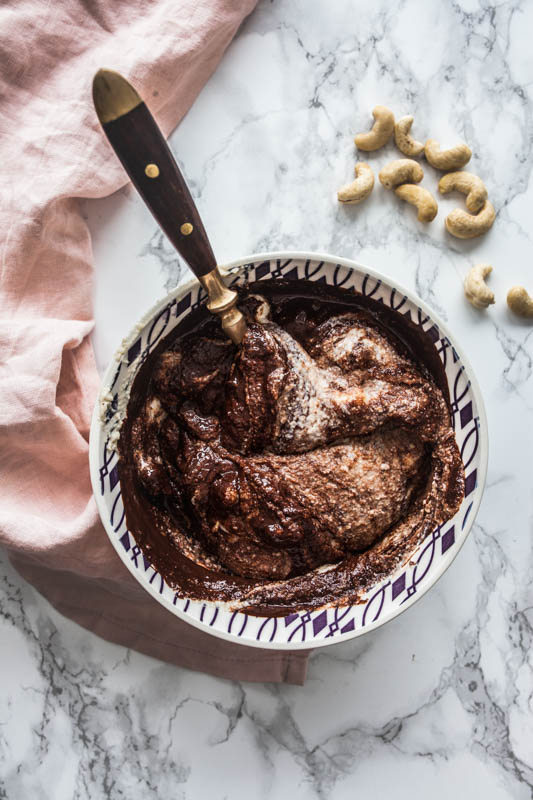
<point>223,302</point>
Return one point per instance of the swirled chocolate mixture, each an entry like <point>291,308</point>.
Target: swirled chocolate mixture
<point>298,469</point>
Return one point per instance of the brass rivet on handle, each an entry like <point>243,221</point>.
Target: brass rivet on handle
<point>186,228</point>
<point>151,170</point>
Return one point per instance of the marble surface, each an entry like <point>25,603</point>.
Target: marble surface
<point>439,702</point>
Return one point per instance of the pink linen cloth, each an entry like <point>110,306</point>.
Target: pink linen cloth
<point>53,151</point>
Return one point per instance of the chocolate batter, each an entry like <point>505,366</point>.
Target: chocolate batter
<point>296,470</point>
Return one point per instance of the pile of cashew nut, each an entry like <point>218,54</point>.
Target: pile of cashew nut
<point>404,175</point>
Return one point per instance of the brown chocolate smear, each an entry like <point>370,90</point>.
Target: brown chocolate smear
<point>295,471</point>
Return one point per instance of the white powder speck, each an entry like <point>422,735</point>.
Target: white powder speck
<point>262,313</point>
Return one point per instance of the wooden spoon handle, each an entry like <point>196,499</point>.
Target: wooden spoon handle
<point>146,157</point>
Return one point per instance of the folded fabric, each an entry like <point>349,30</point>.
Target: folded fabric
<point>52,152</point>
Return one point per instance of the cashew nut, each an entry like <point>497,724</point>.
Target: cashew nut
<point>467,226</point>
<point>520,302</point>
<point>403,170</point>
<point>419,197</point>
<point>404,140</point>
<point>465,182</point>
<point>381,130</point>
<point>477,292</point>
<point>454,158</point>
<point>360,188</point>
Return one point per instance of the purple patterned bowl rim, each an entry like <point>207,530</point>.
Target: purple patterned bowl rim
<point>480,424</point>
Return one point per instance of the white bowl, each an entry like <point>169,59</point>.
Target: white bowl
<point>387,598</point>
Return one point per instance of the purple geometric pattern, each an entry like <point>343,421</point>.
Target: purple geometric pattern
<point>447,539</point>
<point>470,482</point>
<point>386,598</point>
<point>398,586</point>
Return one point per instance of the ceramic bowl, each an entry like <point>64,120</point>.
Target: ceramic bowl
<point>386,599</point>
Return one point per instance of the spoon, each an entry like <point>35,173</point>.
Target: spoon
<point>141,147</point>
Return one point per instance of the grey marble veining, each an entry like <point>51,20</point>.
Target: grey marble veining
<point>438,703</point>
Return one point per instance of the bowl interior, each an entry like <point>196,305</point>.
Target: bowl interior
<point>387,598</point>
